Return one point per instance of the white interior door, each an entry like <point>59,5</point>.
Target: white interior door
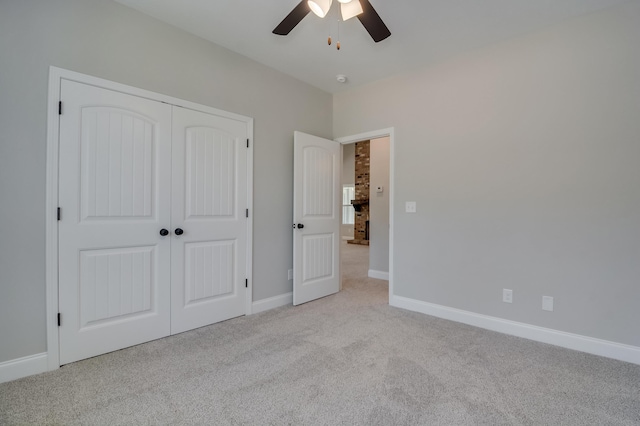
<point>316,216</point>
<point>114,180</point>
<point>209,224</point>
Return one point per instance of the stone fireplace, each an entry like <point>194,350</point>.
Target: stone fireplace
<point>361,201</point>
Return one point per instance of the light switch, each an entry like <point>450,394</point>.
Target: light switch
<point>410,207</point>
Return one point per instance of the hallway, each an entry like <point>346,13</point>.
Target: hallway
<point>355,280</point>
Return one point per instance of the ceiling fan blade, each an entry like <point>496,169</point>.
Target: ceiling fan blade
<point>372,22</point>
<point>293,18</point>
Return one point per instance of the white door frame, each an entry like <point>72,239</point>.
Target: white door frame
<point>56,75</point>
<point>375,134</point>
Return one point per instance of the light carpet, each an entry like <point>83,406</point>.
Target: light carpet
<point>347,359</point>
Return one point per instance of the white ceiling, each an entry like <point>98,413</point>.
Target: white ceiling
<point>422,32</point>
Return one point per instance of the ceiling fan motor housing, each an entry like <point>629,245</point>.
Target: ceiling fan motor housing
<point>363,9</point>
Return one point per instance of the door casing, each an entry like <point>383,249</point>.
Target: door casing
<point>56,75</point>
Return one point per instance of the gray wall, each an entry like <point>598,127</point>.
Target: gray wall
<point>379,206</point>
<point>108,40</point>
<point>348,178</point>
<point>523,158</point>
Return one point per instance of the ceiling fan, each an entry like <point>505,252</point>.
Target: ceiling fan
<point>349,8</point>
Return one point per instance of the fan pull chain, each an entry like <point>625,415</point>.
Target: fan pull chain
<point>338,39</point>
<point>330,40</point>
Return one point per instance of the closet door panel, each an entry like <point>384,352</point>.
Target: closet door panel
<point>208,259</point>
<point>115,196</point>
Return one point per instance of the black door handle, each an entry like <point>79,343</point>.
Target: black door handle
<point>179,231</point>
<point>300,226</point>
<point>164,232</point>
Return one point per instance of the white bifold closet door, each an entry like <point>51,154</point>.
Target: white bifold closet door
<point>152,236</point>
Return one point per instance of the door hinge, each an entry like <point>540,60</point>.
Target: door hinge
<point>246,282</point>
<point>59,107</point>
<point>59,319</point>
<point>59,213</point>
<point>247,142</point>
<point>247,213</point>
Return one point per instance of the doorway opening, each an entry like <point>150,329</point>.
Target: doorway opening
<point>366,226</point>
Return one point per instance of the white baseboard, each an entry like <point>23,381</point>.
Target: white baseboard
<point>577,342</point>
<point>381,275</point>
<point>272,303</point>
<point>23,367</point>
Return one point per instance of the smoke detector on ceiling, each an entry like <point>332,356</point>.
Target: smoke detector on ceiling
<point>341,78</point>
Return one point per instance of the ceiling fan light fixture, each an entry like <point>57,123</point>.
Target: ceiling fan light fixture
<point>344,1</point>
<point>319,7</point>
<point>351,9</point>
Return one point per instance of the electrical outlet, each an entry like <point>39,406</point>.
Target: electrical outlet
<point>507,295</point>
<point>290,274</point>
<point>547,303</point>
<point>410,207</point>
